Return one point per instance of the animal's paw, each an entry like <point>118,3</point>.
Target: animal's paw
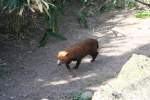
<point>92,61</point>
<point>72,74</point>
<point>75,67</point>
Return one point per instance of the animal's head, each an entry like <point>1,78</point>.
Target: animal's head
<point>62,57</point>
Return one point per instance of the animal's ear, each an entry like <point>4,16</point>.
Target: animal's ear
<point>62,53</point>
<point>67,53</point>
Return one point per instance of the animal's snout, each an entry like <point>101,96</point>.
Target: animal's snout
<point>58,62</point>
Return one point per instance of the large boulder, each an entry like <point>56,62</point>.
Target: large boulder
<point>132,83</point>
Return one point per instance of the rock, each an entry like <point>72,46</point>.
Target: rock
<point>132,83</point>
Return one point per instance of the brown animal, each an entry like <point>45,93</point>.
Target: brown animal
<point>77,51</point>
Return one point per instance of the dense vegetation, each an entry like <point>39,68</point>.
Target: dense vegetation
<point>19,14</point>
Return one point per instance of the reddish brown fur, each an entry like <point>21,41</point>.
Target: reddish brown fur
<point>79,50</point>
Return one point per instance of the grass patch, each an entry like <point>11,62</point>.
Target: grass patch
<point>131,5</point>
<point>76,96</point>
<point>142,14</point>
<point>80,95</point>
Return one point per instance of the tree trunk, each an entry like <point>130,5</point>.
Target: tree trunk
<point>120,3</point>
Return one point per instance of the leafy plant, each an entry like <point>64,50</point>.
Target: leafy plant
<point>82,19</point>
<point>131,4</point>
<point>110,5</point>
<point>84,1</point>
<point>77,96</point>
<point>47,34</point>
<point>18,11</point>
<point>87,95</point>
<point>142,14</point>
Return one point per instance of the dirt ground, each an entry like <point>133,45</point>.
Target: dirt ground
<point>32,73</point>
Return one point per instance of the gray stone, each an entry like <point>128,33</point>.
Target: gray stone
<point>132,83</point>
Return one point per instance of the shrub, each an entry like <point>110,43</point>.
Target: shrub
<point>142,14</point>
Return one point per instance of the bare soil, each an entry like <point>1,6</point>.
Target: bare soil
<point>32,72</point>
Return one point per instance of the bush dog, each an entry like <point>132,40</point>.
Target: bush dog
<point>77,51</point>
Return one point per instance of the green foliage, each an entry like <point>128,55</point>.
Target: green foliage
<point>49,9</point>
<point>84,1</point>
<point>21,5</point>
<point>87,95</point>
<point>110,5</point>
<point>47,35</point>
<point>21,10</point>
<point>77,96</point>
<point>131,4</point>
<point>82,19</point>
<point>142,14</point>
<point>12,5</point>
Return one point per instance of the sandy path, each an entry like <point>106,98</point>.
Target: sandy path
<point>35,75</point>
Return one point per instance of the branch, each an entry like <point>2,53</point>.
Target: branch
<point>143,3</point>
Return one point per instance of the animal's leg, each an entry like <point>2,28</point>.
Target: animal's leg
<point>69,70</point>
<point>77,64</point>
<point>67,65</point>
<point>94,55</point>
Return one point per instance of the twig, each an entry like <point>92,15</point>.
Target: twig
<point>143,3</point>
